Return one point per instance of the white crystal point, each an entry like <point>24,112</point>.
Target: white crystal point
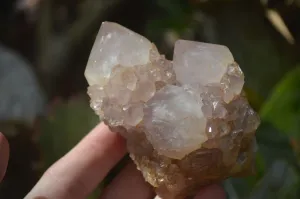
<point>115,45</point>
<point>174,122</point>
<point>200,63</point>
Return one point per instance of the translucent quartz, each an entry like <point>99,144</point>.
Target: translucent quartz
<point>197,62</point>
<point>169,113</point>
<point>115,45</point>
<point>186,121</point>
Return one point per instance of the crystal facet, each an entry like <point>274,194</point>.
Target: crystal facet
<point>196,62</point>
<point>115,45</point>
<point>169,113</point>
<point>186,121</point>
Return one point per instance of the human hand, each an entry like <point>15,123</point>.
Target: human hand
<point>79,172</point>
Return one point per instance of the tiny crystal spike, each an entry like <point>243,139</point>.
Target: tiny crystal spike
<point>186,121</point>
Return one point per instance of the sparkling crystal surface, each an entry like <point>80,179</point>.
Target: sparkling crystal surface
<point>186,121</point>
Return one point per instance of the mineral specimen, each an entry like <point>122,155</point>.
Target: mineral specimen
<point>187,121</point>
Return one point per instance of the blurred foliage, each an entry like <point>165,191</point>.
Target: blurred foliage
<point>282,109</point>
<point>67,123</point>
<point>56,38</point>
<point>277,169</point>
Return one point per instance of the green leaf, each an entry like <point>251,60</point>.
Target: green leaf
<point>282,109</point>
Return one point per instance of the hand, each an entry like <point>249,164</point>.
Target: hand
<point>76,174</point>
<point>4,154</point>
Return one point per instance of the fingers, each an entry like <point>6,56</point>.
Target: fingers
<point>211,192</point>
<point>128,184</point>
<point>76,174</point>
<point>4,155</point>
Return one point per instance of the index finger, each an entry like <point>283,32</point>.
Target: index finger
<point>83,168</point>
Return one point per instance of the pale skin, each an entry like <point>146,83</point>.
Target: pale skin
<point>79,172</point>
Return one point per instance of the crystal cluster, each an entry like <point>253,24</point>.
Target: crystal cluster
<point>186,121</point>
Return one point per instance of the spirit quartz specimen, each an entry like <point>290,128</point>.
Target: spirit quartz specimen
<point>187,122</point>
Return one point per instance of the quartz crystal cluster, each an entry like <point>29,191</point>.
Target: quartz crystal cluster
<point>187,122</point>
